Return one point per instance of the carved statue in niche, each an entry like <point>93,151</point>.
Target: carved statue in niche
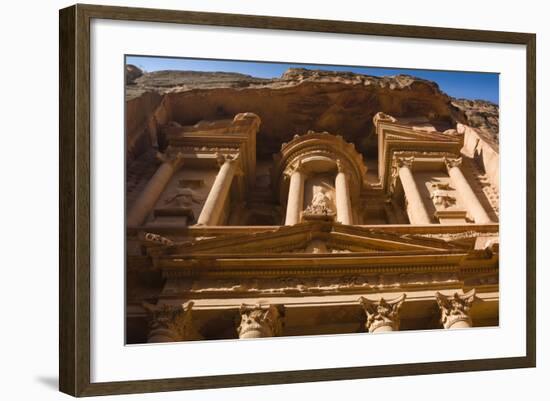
<point>441,197</point>
<point>321,203</point>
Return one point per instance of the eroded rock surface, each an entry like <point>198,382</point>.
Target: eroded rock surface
<point>480,114</point>
<point>342,103</point>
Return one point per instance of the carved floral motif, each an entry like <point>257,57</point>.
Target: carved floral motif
<point>382,313</point>
<point>259,321</point>
<point>455,308</point>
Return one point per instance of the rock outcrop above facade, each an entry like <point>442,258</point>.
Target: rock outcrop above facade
<point>480,114</point>
<point>301,99</point>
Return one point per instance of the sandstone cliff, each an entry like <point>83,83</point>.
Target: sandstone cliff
<point>339,102</point>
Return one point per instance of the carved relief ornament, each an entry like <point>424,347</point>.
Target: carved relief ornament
<point>453,162</point>
<point>169,322</point>
<point>292,168</point>
<point>455,308</point>
<point>382,313</point>
<point>258,321</point>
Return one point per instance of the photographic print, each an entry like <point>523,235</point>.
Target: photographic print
<point>268,199</point>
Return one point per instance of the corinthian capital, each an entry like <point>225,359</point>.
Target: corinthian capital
<point>456,308</point>
<point>382,314</point>
<point>222,158</point>
<point>404,161</point>
<point>170,323</point>
<point>293,167</point>
<point>259,321</point>
<point>342,168</point>
<point>174,158</point>
<point>450,163</point>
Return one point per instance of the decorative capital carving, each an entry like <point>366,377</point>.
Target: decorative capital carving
<point>259,321</point>
<point>382,313</point>
<point>404,161</point>
<point>450,163</point>
<point>341,167</point>
<point>455,308</point>
<point>174,158</point>
<point>170,323</point>
<point>292,168</point>
<point>222,158</point>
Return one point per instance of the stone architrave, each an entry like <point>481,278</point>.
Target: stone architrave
<point>214,204</point>
<point>468,196</point>
<point>258,321</point>
<point>151,193</point>
<point>382,315</point>
<point>295,194</point>
<point>343,200</point>
<point>418,214</point>
<point>169,323</point>
<point>455,310</point>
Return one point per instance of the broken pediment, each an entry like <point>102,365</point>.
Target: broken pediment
<point>312,238</point>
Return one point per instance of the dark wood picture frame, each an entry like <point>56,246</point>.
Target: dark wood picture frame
<point>74,116</point>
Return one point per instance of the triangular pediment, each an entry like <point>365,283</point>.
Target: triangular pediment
<point>309,238</point>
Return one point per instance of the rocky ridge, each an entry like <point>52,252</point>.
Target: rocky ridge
<point>302,99</point>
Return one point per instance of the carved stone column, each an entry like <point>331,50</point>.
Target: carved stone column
<point>168,323</point>
<point>213,206</point>
<point>343,201</point>
<point>471,201</point>
<point>295,200</point>
<point>415,205</point>
<point>455,310</point>
<point>382,315</point>
<point>258,321</point>
<point>150,194</point>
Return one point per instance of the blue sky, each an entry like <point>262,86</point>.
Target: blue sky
<point>469,85</point>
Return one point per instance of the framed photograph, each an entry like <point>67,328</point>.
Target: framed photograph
<point>250,200</point>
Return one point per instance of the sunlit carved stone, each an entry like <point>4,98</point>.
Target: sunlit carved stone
<point>321,205</point>
<point>415,205</point>
<point>382,315</point>
<point>456,309</point>
<point>259,321</point>
<point>295,194</point>
<point>343,200</point>
<point>469,197</point>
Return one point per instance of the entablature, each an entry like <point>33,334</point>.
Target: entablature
<point>397,139</point>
